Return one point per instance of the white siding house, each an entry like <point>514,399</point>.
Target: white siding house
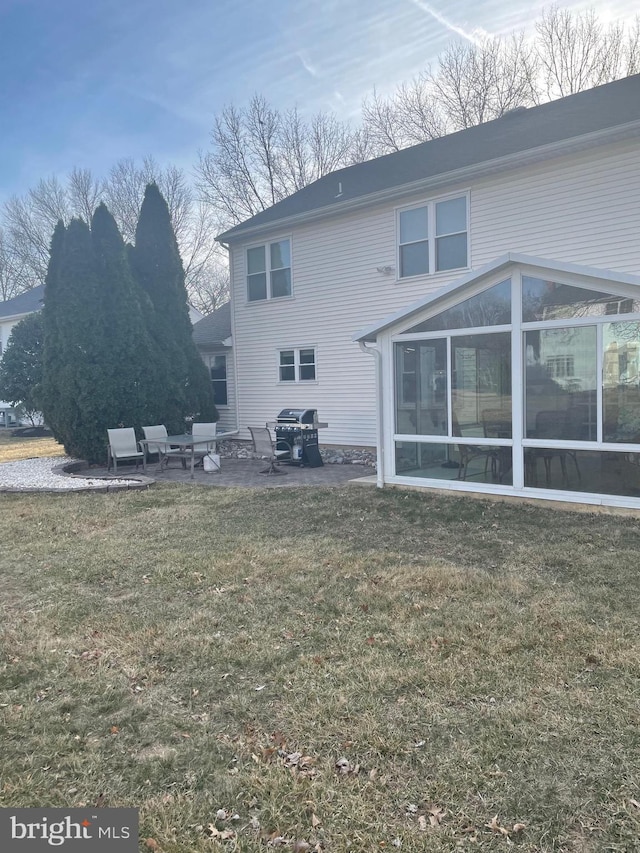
<point>315,280</point>
<point>11,312</point>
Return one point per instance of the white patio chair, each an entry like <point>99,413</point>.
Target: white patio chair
<point>163,452</point>
<point>122,446</point>
<point>208,431</point>
<point>264,448</point>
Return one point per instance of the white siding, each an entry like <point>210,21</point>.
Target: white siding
<point>581,208</point>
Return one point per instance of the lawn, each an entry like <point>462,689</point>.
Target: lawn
<point>12,449</point>
<point>323,669</point>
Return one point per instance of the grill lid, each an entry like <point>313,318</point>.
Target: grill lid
<point>298,416</point>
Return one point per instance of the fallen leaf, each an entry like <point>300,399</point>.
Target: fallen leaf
<point>494,826</point>
<point>422,823</point>
<point>315,821</point>
<point>151,844</point>
<point>634,803</point>
<point>436,814</point>
<point>114,730</point>
<point>518,827</point>
<point>301,846</point>
<point>222,834</point>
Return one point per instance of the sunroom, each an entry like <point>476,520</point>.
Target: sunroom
<point>523,378</point>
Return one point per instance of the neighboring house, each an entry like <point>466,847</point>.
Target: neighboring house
<point>212,336</point>
<point>16,309</point>
<point>493,275</point>
<point>11,312</point>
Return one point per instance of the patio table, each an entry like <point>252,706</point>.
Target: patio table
<point>187,443</point>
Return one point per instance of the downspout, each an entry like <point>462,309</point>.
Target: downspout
<point>236,384</point>
<point>374,350</point>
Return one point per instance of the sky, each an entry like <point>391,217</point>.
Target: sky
<point>87,82</point>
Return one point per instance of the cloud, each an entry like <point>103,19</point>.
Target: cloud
<point>308,67</point>
<point>475,36</point>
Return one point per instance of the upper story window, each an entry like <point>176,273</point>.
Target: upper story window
<point>269,271</point>
<point>433,237</point>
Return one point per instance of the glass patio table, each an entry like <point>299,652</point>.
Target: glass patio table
<point>187,444</point>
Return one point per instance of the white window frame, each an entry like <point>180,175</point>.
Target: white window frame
<point>297,364</point>
<point>269,269</point>
<point>431,239</point>
<point>212,359</point>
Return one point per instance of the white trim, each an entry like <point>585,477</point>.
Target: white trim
<point>297,349</point>
<point>530,492</point>
<point>266,245</point>
<point>430,205</point>
<point>517,381</point>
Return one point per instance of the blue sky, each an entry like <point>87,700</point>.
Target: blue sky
<point>87,82</point>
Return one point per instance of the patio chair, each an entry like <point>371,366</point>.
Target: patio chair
<point>468,452</point>
<point>208,431</point>
<point>264,448</point>
<point>122,446</point>
<point>164,453</point>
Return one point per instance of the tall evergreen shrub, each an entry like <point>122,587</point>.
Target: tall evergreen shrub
<point>185,390</point>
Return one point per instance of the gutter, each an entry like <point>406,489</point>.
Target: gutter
<point>374,350</point>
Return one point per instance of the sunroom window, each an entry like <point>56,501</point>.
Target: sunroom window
<point>545,396</point>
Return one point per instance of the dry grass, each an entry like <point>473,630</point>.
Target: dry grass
<point>343,668</point>
<point>13,449</point>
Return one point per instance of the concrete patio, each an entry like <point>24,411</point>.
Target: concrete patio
<point>244,473</point>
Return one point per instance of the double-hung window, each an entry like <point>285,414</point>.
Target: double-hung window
<point>297,365</point>
<point>269,271</point>
<point>218,370</point>
<point>433,237</point>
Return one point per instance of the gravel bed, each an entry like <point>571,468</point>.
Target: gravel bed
<point>32,474</point>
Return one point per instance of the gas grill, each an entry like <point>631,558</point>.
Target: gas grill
<point>299,429</point>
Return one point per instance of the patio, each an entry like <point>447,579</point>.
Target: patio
<point>244,473</point>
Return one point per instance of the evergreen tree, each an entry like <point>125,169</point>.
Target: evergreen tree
<point>52,356</point>
<point>185,389</point>
<point>21,366</point>
<point>126,356</point>
<point>72,372</point>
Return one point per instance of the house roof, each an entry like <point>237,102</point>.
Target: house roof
<point>24,303</point>
<point>585,116</point>
<point>510,259</point>
<point>214,329</point>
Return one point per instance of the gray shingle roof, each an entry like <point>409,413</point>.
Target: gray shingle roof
<point>213,329</point>
<point>605,107</point>
<point>25,303</point>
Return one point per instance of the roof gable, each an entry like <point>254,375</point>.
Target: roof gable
<point>503,263</point>
<point>213,329</point>
<point>24,303</point>
<point>516,135</point>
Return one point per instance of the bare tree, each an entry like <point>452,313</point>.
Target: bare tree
<point>260,155</point>
<point>30,219</point>
<point>476,83</point>
<point>473,84</point>
<point>577,52</point>
<point>84,193</point>
<point>13,277</point>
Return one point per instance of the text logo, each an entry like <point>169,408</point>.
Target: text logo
<point>37,830</point>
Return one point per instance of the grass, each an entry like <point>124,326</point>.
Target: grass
<point>348,669</point>
<point>12,449</point>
